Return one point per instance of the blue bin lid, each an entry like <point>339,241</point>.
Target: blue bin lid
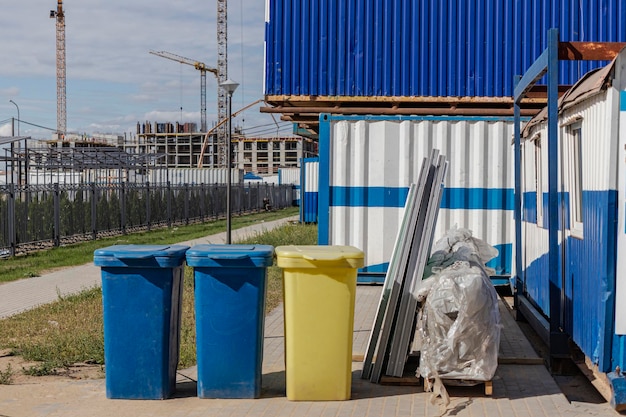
<point>141,255</point>
<point>231,255</point>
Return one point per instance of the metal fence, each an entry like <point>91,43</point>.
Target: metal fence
<point>33,217</point>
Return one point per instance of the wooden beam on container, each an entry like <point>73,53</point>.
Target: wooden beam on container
<point>589,51</point>
<point>415,111</point>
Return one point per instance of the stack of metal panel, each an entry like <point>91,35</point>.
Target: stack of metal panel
<point>394,325</point>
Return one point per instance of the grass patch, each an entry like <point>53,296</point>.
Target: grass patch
<point>36,263</point>
<point>70,330</point>
<point>6,376</point>
<point>59,334</point>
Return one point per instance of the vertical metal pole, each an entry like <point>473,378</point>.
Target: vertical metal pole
<point>94,213</point>
<point>169,205</point>
<point>26,162</point>
<point>202,202</point>
<point>228,173</point>
<point>186,203</point>
<point>517,158</point>
<point>123,205</point>
<point>57,215</point>
<point>11,220</point>
<point>558,339</point>
<point>148,204</point>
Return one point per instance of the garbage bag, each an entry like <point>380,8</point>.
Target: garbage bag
<point>459,322</point>
<point>444,250</point>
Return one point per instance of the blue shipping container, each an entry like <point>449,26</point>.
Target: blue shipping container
<point>424,47</point>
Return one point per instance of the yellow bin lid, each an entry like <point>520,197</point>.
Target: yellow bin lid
<point>314,256</point>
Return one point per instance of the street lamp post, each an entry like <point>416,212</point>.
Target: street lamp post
<point>229,86</point>
<point>18,116</point>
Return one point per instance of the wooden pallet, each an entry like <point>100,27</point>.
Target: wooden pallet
<point>462,383</point>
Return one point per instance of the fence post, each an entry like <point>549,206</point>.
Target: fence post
<point>94,213</point>
<point>169,204</point>
<point>57,216</point>
<point>11,220</point>
<point>249,209</point>
<point>186,204</point>
<point>123,207</point>
<point>148,204</point>
<point>202,202</point>
<point>215,200</point>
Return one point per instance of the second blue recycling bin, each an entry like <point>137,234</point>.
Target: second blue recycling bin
<point>141,297</point>
<point>230,285</point>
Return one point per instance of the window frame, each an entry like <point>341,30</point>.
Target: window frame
<point>574,175</point>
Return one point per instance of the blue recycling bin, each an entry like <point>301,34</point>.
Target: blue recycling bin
<point>230,285</point>
<point>141,298</point>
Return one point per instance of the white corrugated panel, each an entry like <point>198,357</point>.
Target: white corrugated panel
<point>312,176</point>
<point>179,176</point>
<point>270,179</point>
<point>289,176</point>
<point>373,162</point>
<point>41,178</point>
<point>598,120</point>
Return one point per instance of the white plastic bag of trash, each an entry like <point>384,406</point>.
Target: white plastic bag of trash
<point>458,329</point>
<point>443,251</point>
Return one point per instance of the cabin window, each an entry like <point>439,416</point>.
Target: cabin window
<point>539,180</point>
<point>575,179</point>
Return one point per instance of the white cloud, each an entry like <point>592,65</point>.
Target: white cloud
<point>5,130</point>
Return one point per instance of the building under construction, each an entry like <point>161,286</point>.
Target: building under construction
<point>181,143</point>
<point>183,146</point>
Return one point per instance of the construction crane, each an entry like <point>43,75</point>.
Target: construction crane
<point>222,75</point>
<point>203,68</point>
<point>59,14</point>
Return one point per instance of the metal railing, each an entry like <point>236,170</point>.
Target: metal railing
<point>34,217</point>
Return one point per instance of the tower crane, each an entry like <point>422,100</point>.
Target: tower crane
<point>59,14</point>
<point>203,68</point>
<point>222,75</point>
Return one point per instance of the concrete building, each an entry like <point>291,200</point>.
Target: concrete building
<point>183,148</point>
<point>266,155</point>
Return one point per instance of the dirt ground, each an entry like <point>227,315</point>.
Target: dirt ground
<point>12,368</point>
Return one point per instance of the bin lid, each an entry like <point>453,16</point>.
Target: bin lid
<point>214,255</point>
<point>141,255</point>
<point>311,256</point>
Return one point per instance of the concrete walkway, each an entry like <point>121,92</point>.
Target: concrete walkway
<point>25,294</point>
<point>522,385</point>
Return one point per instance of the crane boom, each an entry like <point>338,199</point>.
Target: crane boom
<point>203,68</point>
<point>59,14</point>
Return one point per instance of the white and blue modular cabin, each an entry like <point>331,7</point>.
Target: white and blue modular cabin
<point>309,181</point>
<point>591,181</point>
<point>368,162</point>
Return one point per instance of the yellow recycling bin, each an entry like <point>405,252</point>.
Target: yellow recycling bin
<point>319,286</point>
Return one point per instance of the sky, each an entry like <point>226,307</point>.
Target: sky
<point>112,80</point>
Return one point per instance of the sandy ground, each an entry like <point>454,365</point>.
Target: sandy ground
<point>12,371</point>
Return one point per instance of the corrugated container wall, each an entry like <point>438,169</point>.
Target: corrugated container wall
<point>179,176</point>
<point>291,176</point>
<point>309,190</point>
<point>367,165</point>
<point>587,286</point>
<point>424,47</point>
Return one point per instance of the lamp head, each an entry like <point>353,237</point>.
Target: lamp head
<point>229,86</point>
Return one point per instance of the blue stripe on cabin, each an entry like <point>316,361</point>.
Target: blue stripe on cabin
<point>452,198</point>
